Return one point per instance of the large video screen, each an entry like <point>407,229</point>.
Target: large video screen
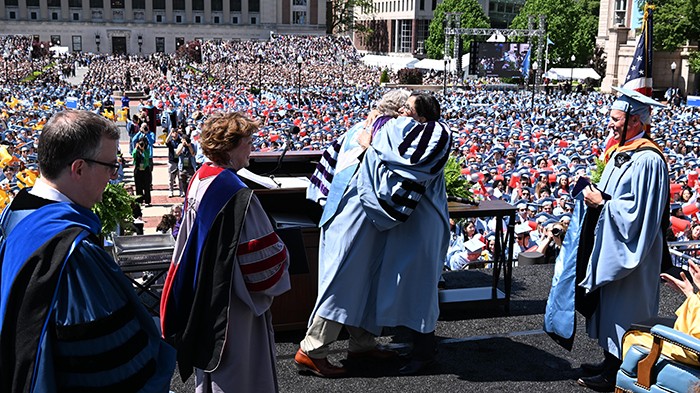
<point>498,59</point>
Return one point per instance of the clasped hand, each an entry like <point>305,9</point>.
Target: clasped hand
<point>592,196</point>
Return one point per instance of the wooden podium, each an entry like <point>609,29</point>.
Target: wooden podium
<point>287,208</point>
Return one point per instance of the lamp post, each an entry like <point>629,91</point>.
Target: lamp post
<point>534,83</point>
<point>573,59</point>
<point>260,58</point>
<point>444,78</point>
<point>6,58</point>
<point>342,71</point>
<point>299,61</point>
<point>673,74</point>
<point>97,41</point>
<point>139,39</point>
<point>238,59</point>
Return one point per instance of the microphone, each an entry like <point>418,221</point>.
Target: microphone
<point>293,130</point>
<point>467,201</point>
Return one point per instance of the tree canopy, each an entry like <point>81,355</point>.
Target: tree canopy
<point>472,16</point>
<point>571,25</point>
<point>342,15</point>
<point>675,22</point>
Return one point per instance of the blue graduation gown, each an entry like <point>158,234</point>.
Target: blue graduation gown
<point>402,188</point>
<point>70,319</point>
<point>625,261</point>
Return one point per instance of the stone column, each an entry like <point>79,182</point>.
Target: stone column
<point>43,10</point>
<point>617,36</point>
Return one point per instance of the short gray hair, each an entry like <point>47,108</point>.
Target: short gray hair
<point>392,101</point>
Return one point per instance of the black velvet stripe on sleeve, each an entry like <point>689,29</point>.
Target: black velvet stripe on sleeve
<point>396,215</point>
<point>423,143</point>
<point>132,384</point>
<point>98,328</point>
<point>439,148</point>
<point>440,165</point>
<point>410,185</point>
<point>408,140</point>
<point>404,201</point>
<point>106,360</point>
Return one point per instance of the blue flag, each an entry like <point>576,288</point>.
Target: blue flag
<point>525,70</point>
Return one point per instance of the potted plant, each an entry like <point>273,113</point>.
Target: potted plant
<point>114,210</point>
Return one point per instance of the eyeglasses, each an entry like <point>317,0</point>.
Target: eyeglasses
<point>113,165</point>
<point>407,107</point>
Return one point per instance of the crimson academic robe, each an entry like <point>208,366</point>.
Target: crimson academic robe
<point>228,265</point>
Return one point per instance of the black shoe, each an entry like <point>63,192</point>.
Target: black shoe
<point>415,366</point>
<point>599,383</point>
<point>593,368</point>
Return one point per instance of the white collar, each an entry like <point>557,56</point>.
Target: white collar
<point>44,190</point>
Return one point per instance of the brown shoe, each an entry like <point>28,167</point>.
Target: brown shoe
<point>320,367</point>
<point>373,354</point>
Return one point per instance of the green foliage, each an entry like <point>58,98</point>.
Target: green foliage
<point>115,208</point>
<point>571,24</point>
<point>455,183</point>
<point>675,22</point>
<point>343,17</point>
<point>472,16</point>
<point>694,62</point>
<point>410,76</point>
<point>598,171</point>
<point>384,77</point>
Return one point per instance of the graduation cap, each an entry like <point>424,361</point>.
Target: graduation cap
<point>522,228</point>
<point>546,201</point>
<point>474,244</point>
<point>521,203</point>
<point>542,217</point>
<point>550,221</point>
<point>633,103</point>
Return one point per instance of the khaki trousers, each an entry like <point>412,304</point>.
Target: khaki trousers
<point>323,332</point>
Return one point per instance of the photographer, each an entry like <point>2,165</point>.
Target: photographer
<point>551,242</point>
<point>186,165</point>
<point>142,171</point>
<point>173,142</point>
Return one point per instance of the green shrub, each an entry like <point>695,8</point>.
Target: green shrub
<point>384,78</point>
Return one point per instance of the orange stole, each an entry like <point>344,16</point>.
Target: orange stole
<point>634,145</point>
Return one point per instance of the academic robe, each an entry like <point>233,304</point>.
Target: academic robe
<point>622,273</point>
<point>70,318</point>
<point>401,186</point>
<point>228,265</point>
<point>350,247</point>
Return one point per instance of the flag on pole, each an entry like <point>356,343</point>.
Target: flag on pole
<point>525,70</point>
<point>639,75</point>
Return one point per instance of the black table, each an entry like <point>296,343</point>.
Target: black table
<point>502,256</point>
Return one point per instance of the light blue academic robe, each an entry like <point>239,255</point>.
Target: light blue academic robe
<point>350,248</point>
<point>626,258</point>
<point>357,266</point>
<point>401,185</point>
<point>628,248</point>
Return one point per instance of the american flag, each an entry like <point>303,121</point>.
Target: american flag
<point>639,75</point>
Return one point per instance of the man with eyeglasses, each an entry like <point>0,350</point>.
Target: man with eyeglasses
<point>66,308</point>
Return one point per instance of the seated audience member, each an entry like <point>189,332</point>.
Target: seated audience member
<point>687,321</point>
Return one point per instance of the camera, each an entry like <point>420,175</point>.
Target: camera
<point>558,232</point>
